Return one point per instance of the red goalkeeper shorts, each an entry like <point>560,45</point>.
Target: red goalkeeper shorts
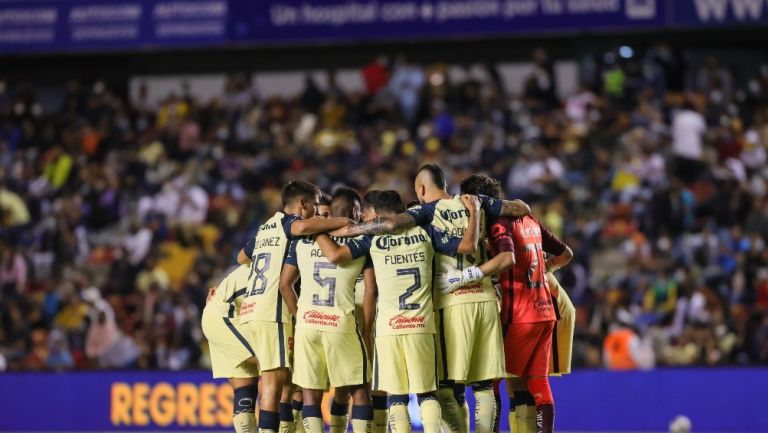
<point>526,348</point>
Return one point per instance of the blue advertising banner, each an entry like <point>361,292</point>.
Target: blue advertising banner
<point>587,401</point>
<point>76,25</point>
<point>694,13</point>
<point>291,20</point>
<point>111,24</point>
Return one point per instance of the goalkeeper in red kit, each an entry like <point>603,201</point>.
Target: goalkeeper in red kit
<point>527,311</point>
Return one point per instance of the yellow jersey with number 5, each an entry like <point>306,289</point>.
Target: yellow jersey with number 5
<point>327,300</point>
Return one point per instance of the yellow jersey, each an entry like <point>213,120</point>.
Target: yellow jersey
<point>327,299</point>
<point>230,292</point>
<point>403,265</point>
<point>450,216</point>
<point>262,300</point>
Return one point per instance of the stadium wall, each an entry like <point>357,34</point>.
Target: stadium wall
<point>716,400</point>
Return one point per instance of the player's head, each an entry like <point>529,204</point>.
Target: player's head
<point>347,202</point>
<point>429,179</point>
<point>324,206</point>
<point>300,198</point>
<point>369,210</point>
<point>481,184</point>
<point>388,202</point>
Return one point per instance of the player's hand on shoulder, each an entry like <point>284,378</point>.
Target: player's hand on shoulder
<point>472,202</point>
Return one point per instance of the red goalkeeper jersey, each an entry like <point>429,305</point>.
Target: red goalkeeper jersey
<point>525,293</point>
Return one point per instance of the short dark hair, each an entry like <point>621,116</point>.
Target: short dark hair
<point>388,201</point>
<point>369,199</point>
<point>437,174</point>
<point>296,189</point>
<point>481,184</point>
<point>325,199</point>
<point>350,195</point>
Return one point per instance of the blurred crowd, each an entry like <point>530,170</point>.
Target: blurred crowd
<point>117,215</point>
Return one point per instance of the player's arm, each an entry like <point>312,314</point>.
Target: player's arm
<point>502,243</point>
<point>499,263</point>
<point>245,253</point>
<point>560,253</point>
<point>471,235</point>
<point>376,226</point>
<point>288,277</point>
<point>507,208</point>
<point>312,226</point>
<point>332,251</point>
<point>369,305</point>
<point>514,208</point>
<point>338,254</point>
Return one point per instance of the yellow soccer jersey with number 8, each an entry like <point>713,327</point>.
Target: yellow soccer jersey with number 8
<point>327,300</point>
<point>403,266</point>
<point>267,251</point>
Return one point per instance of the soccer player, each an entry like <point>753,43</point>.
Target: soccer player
<point>405,345</point>
<point>329,348</point>
<point>471,347</point>
<point>527,311</point>
<point>229,350</point>
<point>264,315</point>
<point>324,206</point>
<point>365,311</point>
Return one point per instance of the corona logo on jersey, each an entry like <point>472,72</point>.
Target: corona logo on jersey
<point>163,404</point>
<point>387,241</point>
<point>450,215</point>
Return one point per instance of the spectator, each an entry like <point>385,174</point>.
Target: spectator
<point>13,271</point>
<point>688,128</point>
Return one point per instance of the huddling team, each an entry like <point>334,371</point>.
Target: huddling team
<point>379,301</point>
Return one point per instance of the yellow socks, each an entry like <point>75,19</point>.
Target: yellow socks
<point>430,414</point>
<point>485,407</point>
<point>313,419</point>
<point>399,419</point>
<point>339,418</point>
<point>361,419</point>
<point>379,424</point>
<point>244,408</point>
<point>450,410</point>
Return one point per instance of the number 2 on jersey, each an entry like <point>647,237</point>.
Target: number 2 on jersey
<point>324,281</point>
<point>260,266</point>
<point>535,275</point>
<point>409,291</point>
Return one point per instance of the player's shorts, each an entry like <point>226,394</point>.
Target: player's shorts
<point>470,342</point>
<point>562,337</point>
<point>405,364</point>
<point>271,341</point>
<point>527,347</point>
<point>228,347</point>
<point>323,359</point>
